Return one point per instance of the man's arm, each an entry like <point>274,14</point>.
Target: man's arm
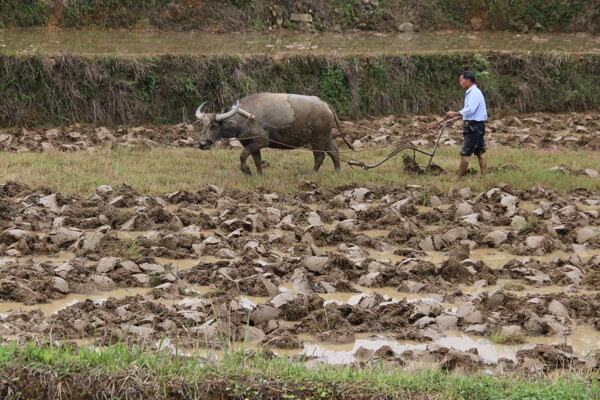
<point>454,114</point>
<point>456,117</point>
<point>450,118</point>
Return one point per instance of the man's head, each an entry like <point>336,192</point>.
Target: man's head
<point>466,79</point>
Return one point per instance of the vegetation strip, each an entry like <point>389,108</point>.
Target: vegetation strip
<point>382,15</point>
<point>43,371</point>
<point>42,90</point>
<point>189,169</point>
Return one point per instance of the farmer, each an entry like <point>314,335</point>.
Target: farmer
<point>474,115</point>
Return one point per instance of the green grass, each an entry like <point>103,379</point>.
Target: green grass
<point>553,15</point>
<point>499,337</point>
<point>242,375</point>
<point>51,90</point>
<point>160,170</point>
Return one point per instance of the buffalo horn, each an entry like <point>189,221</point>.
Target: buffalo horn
<point>230,113</point>
<point>199,110</point>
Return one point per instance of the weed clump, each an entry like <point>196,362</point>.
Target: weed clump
<point>500,337</point>
<point>533,225</point>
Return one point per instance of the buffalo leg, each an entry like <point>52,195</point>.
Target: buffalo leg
<point>243,157</point>
<point>251,148</point>
<point>258,162</point>
<point>319,157</point>
<point>334,153</point>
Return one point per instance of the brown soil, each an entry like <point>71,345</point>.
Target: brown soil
<point>573,130</point>
<point>374,261</point>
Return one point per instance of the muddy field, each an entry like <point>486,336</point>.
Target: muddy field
<point>569,130</point>
<point>499,280</point>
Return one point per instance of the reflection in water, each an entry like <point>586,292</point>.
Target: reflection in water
<point>150,42</point>
<point>584,340</point>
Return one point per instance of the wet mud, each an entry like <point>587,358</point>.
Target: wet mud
<point>570,130</point>
<point>409,275</point>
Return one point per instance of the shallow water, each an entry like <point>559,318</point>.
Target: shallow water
<point>389,293</point>
<point>523,289</point>
<point>123,42</point>
<point>489,352</point>
<point>57,305</point>
<point>184,263</point>
<point>496,259</point>
<point>584,340</point>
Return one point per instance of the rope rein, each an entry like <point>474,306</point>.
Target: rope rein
<point>252,118</point>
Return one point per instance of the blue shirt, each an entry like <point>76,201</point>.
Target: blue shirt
<point>475,109</point>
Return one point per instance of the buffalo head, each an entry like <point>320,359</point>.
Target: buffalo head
<point>215,126</point>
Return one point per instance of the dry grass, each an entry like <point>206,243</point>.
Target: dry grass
<point>162,170</point>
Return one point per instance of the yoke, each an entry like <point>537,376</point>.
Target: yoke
<point>402,148</point>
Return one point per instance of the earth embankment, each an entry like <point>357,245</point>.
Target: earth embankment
<point>317,15</point>
<point>57,89</point>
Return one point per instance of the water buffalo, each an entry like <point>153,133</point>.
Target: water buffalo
<point>277,120</point>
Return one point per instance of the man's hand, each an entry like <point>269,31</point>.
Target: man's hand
<point>453,114</point>
<point>454,119</point>
<point>437,124</point>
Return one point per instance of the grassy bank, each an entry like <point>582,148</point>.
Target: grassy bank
<point>65,372</point>
<point>41,90</point>
<point>190,169</point>
<point>236,15</point>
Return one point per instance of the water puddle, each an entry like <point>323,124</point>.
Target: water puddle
<point>185,263</point>
<point>584,340</point>
<point>71,299</point>
<point>385,255</point>
<point>278,232</point>
<point>390,294</point>
<point>376,233</point>
<point>130,235</point>
<point>58,258</point>
<point>588,207</point>
<point>528,205</point>
<point>496,259</point>
<point>517,287</point>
